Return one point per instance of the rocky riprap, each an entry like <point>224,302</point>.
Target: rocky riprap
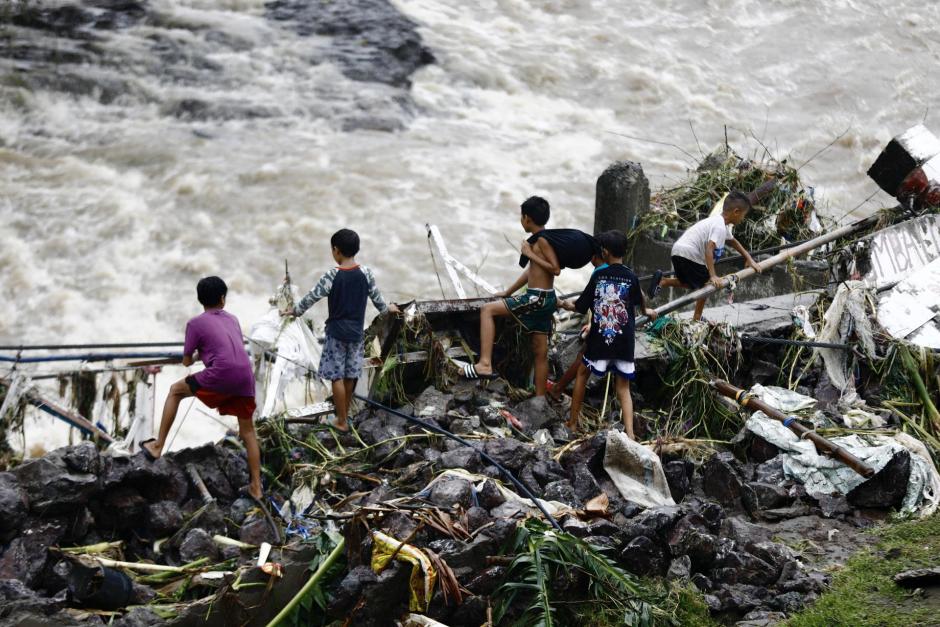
<point>719,537</point>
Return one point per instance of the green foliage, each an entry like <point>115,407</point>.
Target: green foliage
<point>863,592</point>
<point>557,579</point>
<point>697,353</point>
<point>783,211</point>
<point>311,609</point>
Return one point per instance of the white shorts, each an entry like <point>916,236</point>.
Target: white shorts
<point>621,368</point>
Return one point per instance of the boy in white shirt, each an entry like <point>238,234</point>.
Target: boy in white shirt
<point>694,254</point>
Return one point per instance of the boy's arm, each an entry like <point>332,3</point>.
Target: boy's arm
<point>543,255</point>
<point>190,345</point>
<point>320,291</point>
<point>710,264</point>
<point>735,244</point>
<point>522,280</point>
<point>639,298</point>
<point>376,296</point>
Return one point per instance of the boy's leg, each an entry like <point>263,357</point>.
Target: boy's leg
<point>626,405</point>
<point>350,385</point>
<point>178,391</point>
<point>246,430</point>
<point>340,402</point>
<point>577,396</point>
<point>559,388</point>
<point>671,281</point>
<point>699,308</point>
<point>488,335</point>
<point>540,352</point>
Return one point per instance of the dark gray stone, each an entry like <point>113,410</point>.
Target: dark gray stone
<point>165,517</point>
<point>584,484</point>
<point>759,496</point>
<point>788,602</point>
<point>451,491</point>
<point>476,518</point>
<point>656,523</point>
<point>700,581</point>
<point>25,556</point>
<point>887,488</point>
<point>83,457</point>
<point>546,472</point>
<point>622,195</point>
<point>465,457</point>
<point>370,39</point>
<point>690,538</point>
<point>563,492</point>
<point>534,413</point>
<point>52,488</point>
<point>119,509</point>
<point>256,529</point>
<point>643,556</point>
<point>13,504</point>
<point>747,569</point>
<point>680,568</point>
<point>432,403</point>
<point>770,471</point>
<point>743,532</point>
<point>198,544</point>
<point>15,597</point>
<point>721,480</point>
<point>139,617</point>
<point>487,581</point>
<point>834,505</point>
<point>509,453</point>
<point>678,478</point>
<point>490,496</point>
<point>162,480</point>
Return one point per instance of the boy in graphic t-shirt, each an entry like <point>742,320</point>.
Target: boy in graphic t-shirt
<point>612,295</point>
<point>227,383</point>
<point>695,252</point>
<point>346,288</point>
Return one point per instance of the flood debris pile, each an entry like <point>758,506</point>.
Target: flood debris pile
<point>785,210</point>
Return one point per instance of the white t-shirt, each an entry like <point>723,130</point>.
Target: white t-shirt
<point>691,245</point>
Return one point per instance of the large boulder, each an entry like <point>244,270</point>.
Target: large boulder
<point>722,480</point>
<point>25,557</point>
<point>52,487</point>
<point>643,556</point>
<point>451,491</point>
<point>690,537</point>
<point>887,488</point>
<point>465,457</point>
<point>162,480</point>
<point>509,453</point>
<point>13,504</point>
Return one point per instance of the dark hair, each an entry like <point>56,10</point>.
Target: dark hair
<point>536,208</point>
<point>347,241</point>
<point>210,291</point>
<point>614,241</point>
<point>737,197</point>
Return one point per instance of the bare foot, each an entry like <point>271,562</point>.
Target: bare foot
<point>340,425</point>
<point>151,450</point>
<point>572,426</point>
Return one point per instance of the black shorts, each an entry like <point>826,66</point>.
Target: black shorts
<point>192,383</point>
<point>693,274</point>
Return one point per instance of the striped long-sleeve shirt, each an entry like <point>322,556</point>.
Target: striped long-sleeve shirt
<point>346,291</point>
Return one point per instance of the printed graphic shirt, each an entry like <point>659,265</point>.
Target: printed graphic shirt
<point>691,244</point>
<point>612,295</point>
<point>573,248</point>
<point>346,291</point>
<point>217,336</point>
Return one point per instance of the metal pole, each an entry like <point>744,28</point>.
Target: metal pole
<point>823,445</point>
<point>770,262</point>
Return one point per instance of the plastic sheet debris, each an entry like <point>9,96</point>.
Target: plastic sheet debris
<point>423,575</point>
<point>822,475</point>
<point>783,399</point>
<point>912,309</point>
<point>846,315</point>
<point>861,419</point>
<point>636,471</point>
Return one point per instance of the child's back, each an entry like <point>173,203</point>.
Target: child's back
<point>217,336</point>
<point>346,289</point>
<point>612,295</point>
<point>691,244</point>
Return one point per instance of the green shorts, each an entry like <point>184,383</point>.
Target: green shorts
<point>534,309</point>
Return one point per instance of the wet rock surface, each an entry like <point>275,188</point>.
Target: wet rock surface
<point>750,542</point>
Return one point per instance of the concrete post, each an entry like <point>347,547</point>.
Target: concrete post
<point>623,194</point>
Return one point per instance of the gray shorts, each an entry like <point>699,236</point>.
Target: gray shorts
<point>341,360</point>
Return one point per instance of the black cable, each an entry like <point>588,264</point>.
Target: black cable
<point>445,432</point>
<point>36,347</point>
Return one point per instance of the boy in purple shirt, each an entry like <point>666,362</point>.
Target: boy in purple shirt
<point>226,384</point>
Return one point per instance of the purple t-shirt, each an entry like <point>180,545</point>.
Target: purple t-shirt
<point>217,336</point>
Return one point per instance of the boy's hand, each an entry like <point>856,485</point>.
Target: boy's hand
<point>651,314</point>
<point>567,305</point>
<point>392,307</point>
<point>716,281</point>
<point>526,249</point>
<point>750,262</point>
<point>286,313</point>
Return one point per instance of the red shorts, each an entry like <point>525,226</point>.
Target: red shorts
<point>242,407</point>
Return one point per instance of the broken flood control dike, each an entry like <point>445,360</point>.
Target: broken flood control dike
<point>458,503</point>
